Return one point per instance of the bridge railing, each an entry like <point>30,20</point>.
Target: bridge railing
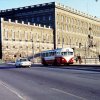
<point>90,61</point>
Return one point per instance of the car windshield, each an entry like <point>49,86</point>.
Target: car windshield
<point>23,60</point>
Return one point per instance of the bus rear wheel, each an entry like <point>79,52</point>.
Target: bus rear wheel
<point>56,63</point>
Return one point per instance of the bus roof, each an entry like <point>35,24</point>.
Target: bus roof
<point>64,49</point>
<point>59,50</point>
<point>48,51</point>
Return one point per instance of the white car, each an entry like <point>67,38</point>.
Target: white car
<point>23,62</point>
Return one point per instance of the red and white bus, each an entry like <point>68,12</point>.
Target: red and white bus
<point>60,56</point>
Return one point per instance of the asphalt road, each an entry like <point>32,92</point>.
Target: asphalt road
<point>48,83</point>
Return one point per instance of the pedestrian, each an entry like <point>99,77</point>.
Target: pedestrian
<point>99,57</point>
<point>76,59</point>
<point>79,59</point>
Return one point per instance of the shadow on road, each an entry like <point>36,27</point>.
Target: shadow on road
<point>10,66</point>
<point>73,67</point>
<point>7,66</point>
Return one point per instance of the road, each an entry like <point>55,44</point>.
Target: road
<point>48,83</point>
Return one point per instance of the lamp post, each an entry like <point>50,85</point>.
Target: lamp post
<point>89,39</point>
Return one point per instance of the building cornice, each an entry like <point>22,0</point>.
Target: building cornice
<point>76,12</point>
<point>23,23</point>
<point>27,7</point>
<point>57,5</point>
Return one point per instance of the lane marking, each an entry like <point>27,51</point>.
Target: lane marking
<point>61,91</point>
<point>12,90</point>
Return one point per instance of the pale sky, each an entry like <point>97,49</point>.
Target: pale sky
<point>88,6</point>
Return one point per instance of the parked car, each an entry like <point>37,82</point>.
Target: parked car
<point>23,62</point>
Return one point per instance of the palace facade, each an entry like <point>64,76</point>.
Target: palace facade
<point>25,40</point>
<point>70,27</point>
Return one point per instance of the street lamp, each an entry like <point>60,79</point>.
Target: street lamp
<point>90,38</point>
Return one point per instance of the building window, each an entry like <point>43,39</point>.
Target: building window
<point>33,19</point>
<point>38,38</point>
<point>13,35</point>
<point>62,18</point>
<point>38,19</point>
<point>44,18</point>
<point>50,17</point>
<point>72,21</point>
<point>31,37</point>
<point>50,25</point>
<point>26,19</point>
<point>20,38</point>
<point>26,36</point>
<point>6,34</point>
<point>13,46</point>
<point>7,47</point>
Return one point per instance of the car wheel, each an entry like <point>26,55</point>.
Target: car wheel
<point>16,66</point>
<point>29,66</point>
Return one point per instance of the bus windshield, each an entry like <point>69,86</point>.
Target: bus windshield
<point>66,53</point>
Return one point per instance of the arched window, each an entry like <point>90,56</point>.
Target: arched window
<point>50,17</point>
<point>6,34</point>
<point>62,18</point>
<point>13,35</point>
<point>32,19</point>
<point>20,38</point>
<point>26,36</point>
<point>44,18</point>
<point>38,19</point>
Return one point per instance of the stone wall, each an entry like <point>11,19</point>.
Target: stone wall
<point>19,39</point>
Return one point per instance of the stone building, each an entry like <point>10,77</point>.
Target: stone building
<point>77,30</point>
<point>74,27</point>
<point>25,40</point>
<point>43,14</point>
<point>71,27</point>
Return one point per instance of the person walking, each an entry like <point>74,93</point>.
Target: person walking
<point>79,59</point>
<point>99,57</point>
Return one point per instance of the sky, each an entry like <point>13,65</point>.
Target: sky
<point>91,7</point>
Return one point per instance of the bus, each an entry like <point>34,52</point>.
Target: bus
<point>60,56</point>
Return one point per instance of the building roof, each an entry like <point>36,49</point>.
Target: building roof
<point>57,5</point>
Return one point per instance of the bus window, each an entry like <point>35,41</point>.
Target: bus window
<point>63,53</point>
<point>43,54</point>
<point>52,53</point>
<point>46,55</point>
<point>58,53</point>
<point>49,53</point>
<point>70,53</point>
